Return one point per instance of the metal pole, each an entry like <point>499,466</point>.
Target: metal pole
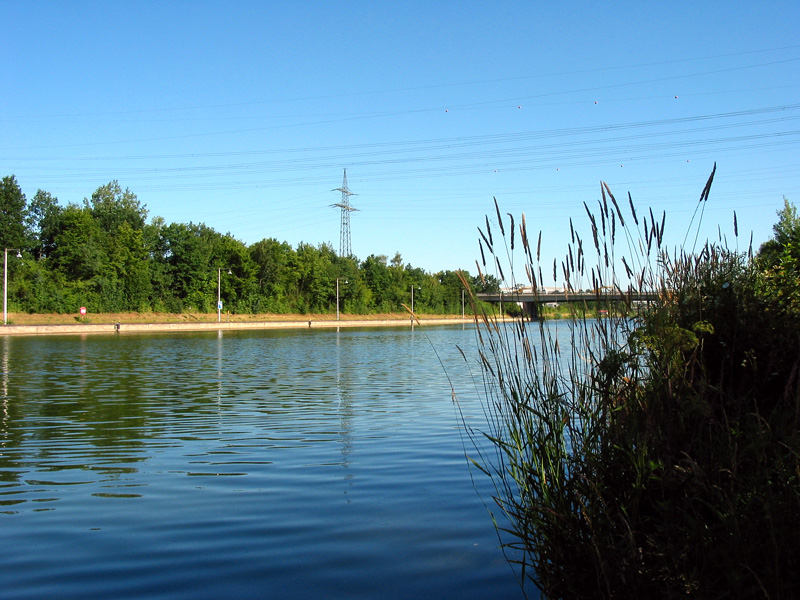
<point>219,294</point>
<point>462,304</point>
<point>5,287</point>
<point>412,304</point>
<point>337,298</point>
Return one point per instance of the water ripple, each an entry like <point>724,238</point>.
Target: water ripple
<point>249,464</point>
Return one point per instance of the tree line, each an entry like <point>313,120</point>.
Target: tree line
<point>104,254</point>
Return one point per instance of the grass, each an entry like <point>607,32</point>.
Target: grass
<point>135,317</point>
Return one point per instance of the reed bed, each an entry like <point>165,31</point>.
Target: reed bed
<point>653,453</point>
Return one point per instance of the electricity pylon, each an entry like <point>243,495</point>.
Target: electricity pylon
<point>344,235</point>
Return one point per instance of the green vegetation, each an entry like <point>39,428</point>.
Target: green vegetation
<point>654,455</point>
<point>103,254</point>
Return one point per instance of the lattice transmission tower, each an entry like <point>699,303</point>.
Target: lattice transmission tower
<point>344,204</point>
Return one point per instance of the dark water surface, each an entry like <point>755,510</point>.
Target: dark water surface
<point>301,464</point>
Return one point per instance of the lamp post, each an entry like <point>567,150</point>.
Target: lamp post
<point>219,293</point>
<point>337,297</point>
<point>412,302</point>
<point>5,282</point>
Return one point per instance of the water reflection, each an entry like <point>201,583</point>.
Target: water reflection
<point>284,461</point>
<point>5,343</point>
<point>219,367</point>
<point>345,411</point>
<point>4,417</point>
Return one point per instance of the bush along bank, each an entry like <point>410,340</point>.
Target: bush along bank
<point>654,455</point>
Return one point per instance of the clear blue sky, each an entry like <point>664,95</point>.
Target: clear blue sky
<point>243,115</point>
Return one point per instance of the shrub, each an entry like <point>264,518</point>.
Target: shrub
<point>653,453</point>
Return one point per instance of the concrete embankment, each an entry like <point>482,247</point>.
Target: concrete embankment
<point>86,328</point>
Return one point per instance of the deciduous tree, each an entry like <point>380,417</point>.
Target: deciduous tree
<point>13,207</point>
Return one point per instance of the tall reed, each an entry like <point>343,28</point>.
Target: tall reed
<point>655,452</point>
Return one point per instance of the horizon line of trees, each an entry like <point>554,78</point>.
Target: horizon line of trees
<point>105,255</point>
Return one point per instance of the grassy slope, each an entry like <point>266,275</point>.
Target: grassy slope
<point>64,319</point>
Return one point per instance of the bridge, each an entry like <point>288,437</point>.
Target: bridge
<point>531,300</point>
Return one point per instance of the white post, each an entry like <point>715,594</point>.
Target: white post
<point>462,304</point>
<point>219,294</point>
<point>5,281</point>
<point>5,287</point>
<point>412,304</point>
<point>337,298</point>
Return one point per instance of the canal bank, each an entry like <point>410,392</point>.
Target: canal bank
<point>122,327</point>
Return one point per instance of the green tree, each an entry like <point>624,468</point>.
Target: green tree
<point>316,277</point>
<point>79,260</point>
<point>78,252</point>
<point>42,223</point>
<point>39,289</point>
<point>451,288</point>
<point>101,245</point>
<point>379,280</point>
<point>237,280</point>
<point>13,206</point>
<point>422,283</point>
<point>187,255</point>
<point>111,207</point>
<point>787,229</point>
<point>271,260</point>
<point>355,297</point>
<point>162,297</point>
<point>130,269</point>
<point>785,232</point>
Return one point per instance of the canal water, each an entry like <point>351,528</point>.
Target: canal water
<point>280,464</point>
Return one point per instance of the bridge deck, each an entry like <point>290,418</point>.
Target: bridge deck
<point>561,297</point>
